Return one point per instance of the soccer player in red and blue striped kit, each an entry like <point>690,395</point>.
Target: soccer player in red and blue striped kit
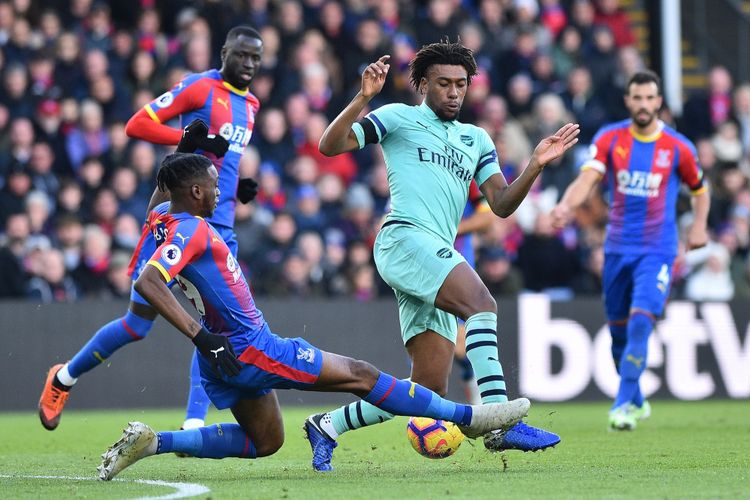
<point>192,252</point>
<point>221,99</point>
<point>643,162</point>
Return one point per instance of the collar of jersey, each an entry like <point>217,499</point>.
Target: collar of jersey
<point>235,89</point>
<point>427,111</point>
<point>648,138</point>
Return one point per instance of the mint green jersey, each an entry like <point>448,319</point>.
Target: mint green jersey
<point>430,163</point>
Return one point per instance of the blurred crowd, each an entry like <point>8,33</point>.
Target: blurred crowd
<point>74,188</point>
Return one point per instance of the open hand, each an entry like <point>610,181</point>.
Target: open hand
<point>555,146</point>
<point>373,78</point>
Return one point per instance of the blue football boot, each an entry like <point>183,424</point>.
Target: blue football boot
<point>321,443</point>
<point>521,437</point>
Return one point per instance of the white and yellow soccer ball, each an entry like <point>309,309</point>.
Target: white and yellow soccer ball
<point>433,438</point>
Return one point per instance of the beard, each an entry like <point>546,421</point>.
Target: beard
<point>643,118</point>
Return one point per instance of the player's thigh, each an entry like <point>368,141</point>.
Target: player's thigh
<point>416,317</point>
<point>432,359</point>
<point>617,286</point>
<point>344,374</point>
<point>464,294</point>
<point>414,261</point>
<point>261,420</point>
<point>652,276</point>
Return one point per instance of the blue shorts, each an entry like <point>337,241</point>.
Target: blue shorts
<point>269,362</point>
<point>147,246</point>
<point>636,282</point>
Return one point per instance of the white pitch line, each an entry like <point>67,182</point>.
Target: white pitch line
<point>184,490</point>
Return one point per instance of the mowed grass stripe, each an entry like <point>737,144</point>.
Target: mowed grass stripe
<point>686,449</point>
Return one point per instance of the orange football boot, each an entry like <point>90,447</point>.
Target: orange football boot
<point>52,402</point>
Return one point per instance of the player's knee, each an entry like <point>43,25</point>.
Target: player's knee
<point>363,374</point>
<point>269,445</point>
<point>482,302</point>
<point>136,326</point>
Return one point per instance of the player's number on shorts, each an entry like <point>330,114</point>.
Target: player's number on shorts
<point>663,277</point>
<point>192,293</point>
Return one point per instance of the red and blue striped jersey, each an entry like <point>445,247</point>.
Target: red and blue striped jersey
<point>193,253</point>
<point>643,175</point>
<point>228,111</point>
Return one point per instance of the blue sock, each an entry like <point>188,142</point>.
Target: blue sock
<point>107,340</point>
<point>404,397</point>
<point>197,405</point>
<point>619,332</point>
<point>215,441</point>
<point>633,361</point>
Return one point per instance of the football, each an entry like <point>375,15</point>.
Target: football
<point>433,438</point>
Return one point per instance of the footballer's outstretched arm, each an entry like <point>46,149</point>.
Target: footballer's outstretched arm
<point>215,348</point>
<point>339,137</point>
<point>504,198</point>
<point>153,288</point>
<point>577,192</point>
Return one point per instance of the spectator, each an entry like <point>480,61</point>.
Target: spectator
<point>118,278</point>
<point>125,186</point>
<point>545,262</point>
<point>497,272</point>
<point>581,100</point>
<point>566,54</point>
<point>343,165</point>
<point>53,284</point>
<point>89,138</point>
<point>610,14</point>
<point>38,208</point>
<point>705,111</point>
<point>741,114</point>
<point>91,273</point>
<point>41,165</point>
<point>272,138</point>
<point>69,239</point>
<point>12,251</point>
<point>307,214</point>
<point>711,279</point>
<point>266,266</point>
<point>13,195</point>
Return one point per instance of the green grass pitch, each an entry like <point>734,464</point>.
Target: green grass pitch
<point>686,449</point>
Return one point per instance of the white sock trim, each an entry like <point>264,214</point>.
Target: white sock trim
<point>64,376</point>
<point>193,423</point>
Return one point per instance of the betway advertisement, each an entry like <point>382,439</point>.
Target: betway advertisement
<point>696,351</point>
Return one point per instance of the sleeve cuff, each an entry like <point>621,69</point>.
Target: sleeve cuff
<point>359,133</point>
<point>161,269</point>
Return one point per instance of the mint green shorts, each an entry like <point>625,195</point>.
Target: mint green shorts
<point>415,264</point>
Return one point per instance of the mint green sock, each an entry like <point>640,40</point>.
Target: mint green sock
<point>356,415</point>
<point>481,349</point>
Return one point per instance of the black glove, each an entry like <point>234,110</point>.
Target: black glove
<point>247,190</point>
<point>188,143</point>
<point>215,144</point>
<point>218,351</point>
<point>196,136</point>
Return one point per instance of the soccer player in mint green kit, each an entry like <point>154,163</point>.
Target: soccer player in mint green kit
<point>431,160</point>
